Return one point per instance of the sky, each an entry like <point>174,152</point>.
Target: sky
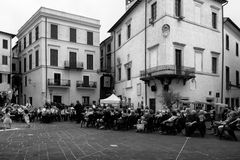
<point>14,13</point>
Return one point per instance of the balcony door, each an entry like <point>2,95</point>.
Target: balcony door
<point>73,59</point>
<point>57,78</point>
<point>178,61</point>
<point>85,81</point>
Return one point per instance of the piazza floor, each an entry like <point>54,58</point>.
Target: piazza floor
<point>67,141</point>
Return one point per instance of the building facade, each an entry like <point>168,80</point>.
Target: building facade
<point>106,68</point>
<point>5,60</point>
<point>231,63</point>
<point>168,45</point>
<point>59,58</point>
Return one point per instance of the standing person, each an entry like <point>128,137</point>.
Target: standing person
<point>78,108</point>
<point>26,118</point>
<point>7,122</point>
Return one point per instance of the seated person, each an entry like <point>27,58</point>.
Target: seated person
<point>169,122</point>
<point>228,124</point>
<point>191,123</point>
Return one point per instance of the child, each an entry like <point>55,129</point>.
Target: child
<point>7,122</point>
<point>26,118</point>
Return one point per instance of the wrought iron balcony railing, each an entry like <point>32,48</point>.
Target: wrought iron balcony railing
<point>59,83</point>
<point>87,85</point>
<point>78,65</point>
<point>168,70</point>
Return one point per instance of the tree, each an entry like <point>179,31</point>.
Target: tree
<point>170,98</point>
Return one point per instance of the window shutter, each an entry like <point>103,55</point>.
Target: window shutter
<point>54,31</point>
<point>90,38</point>
<point>37,58</point>
<point>54,57</point>
<point>90,62</point>
<point>9,78</point>
<point>0,77</point>
<point>72,35</point>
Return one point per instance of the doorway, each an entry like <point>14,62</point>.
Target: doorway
<point>57,99</point>
<point>57,79</point>
<point>152,104</point>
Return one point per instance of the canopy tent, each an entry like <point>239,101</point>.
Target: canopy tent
<point>113,99</point>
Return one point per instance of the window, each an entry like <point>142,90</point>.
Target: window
<point>90,38</point>
<point>178,8</point>
<point>20,66</point>
<point>4,60</point>
<point>37,58</point>
<point>109,48</point>
<point>198,61</point>
<point>30,38</point>
<point>214,20</point>
<point>198,12</point>
<point>237,78</point>
<point>128,31</point>
<point>1,78</point>
<point>13,67</point>
<point>119,39</point>
<point>214,65</point>
<point>25,78</point>
<point>154,11</point>
<point>25,65</point>
<point>90,62</point>
<point>24,43</point>
<point>119,73</point>
<point>128,73</point>
<point>73,35</point>
<point>5,44</point>
<point>101,64</point>
<point>85,100</point>
<point>109,62</point>
<point>54,31</point>
<point>237,50</point>
<point>227,78</point>
<point>227,42</point>
<point>30,62</point>
<point>54,57</point>
<point>9,78</point>
<point>37,33</point>
<point>101,52</point>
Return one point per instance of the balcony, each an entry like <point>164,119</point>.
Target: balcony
<point>168,71</point>
<point>59,83</point>
<point>85,85</point>
<point>77,66</point>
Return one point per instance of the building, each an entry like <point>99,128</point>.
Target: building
<point>59,58</point>
<point>231,63</point>
<point>5,60</point>
<point>168,45</point>
<point>106,68</point>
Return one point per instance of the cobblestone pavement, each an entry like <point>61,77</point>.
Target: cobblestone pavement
<point>67,141</point>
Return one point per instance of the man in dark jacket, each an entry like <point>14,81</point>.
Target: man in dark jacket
<point>79,110</point>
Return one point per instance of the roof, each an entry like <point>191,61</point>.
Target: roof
<point>125,15</point>
<point>227,19</point>
<point>105,40</point>
<point>9,34</point>
<point>133,7</point>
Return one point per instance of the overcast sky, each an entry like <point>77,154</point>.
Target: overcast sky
<point>14,13</point>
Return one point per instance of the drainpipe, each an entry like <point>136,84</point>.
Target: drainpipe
<point>145,48</point>
<point>223,52</point>
<point>46,58</point>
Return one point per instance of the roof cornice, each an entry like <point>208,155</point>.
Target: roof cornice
<point>50,13</point>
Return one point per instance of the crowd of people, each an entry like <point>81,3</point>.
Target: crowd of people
<point>185,121</point>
